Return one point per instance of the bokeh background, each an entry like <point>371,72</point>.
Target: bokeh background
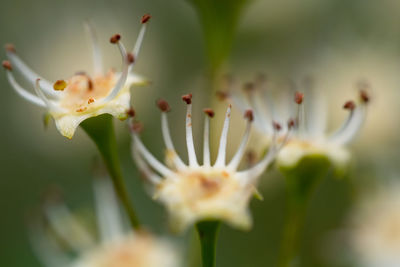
<point>338,42</point>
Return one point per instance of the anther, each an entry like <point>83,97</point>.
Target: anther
<point>276,126</point>
<point>115,38</point>
<point>298,97</point>
<point>249,87</point>
<point>249,115</point>
<point>145,18</point>
<point>221,95</point>
<point>163,105</point>
<point>59,85</point>
<point>209,112</point>
<point>137,127</point>
<point>187,98</point>
<point>90,83</point>
<point>291,123</point>
<point>131,112</point>
<point>7,65</point>
<point>364,96</point>
<point>10,48</point>
<point>91,100</point>
<point>131,58</point>
<point>350,105</point>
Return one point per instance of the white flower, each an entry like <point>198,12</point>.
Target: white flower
<point>63,241</point>
<point>81,96</point>
<point>193,192</point>
<point>309,137</point>
<point>375,229</point>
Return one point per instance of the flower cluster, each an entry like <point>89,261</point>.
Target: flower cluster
<point>309,136</point>
<point>193,192</point>
<point>61,234</point>
<point>82,96</point>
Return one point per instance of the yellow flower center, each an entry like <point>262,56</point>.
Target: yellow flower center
<point>82,91</point>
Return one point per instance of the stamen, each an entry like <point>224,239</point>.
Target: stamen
<point>233,165</point>
<point>164,107</point>
<point>189,134</point>
<point>26,72</point>
<point>300,117</point>
<point>107,210</point>
<point>352,125</point>
<point>40,94</point>
<point>97,57</point>
<point>220,162</point>
<point>7,65</point>
<point>144,168</point>
<point>206,143</point>
<point>125,68</point>
<point>23,93</point>
<point>136,49</point>
<point>151,160</point>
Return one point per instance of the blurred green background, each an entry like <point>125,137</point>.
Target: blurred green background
<point>335,41</point>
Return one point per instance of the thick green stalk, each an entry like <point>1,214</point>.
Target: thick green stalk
<point>208,234</point>
<point>100,129</point>
<point>301,181</point>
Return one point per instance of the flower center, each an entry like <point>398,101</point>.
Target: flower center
<point>82,91</point>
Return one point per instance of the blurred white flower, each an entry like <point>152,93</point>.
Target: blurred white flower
<point>63,241</point>
<point>81,96</point>
<point>194,192</point>
<point>374,232</point>
<point>309,136</point>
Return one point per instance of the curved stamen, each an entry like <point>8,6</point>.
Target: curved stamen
<point>189,134</point>
<point>262,116</point>
<point>151,160</point>
<point>125,67</point>
<point>96,52</point>
<point>206,144</point>
<point>23,93</point>
<point>144,168</point>
<point>64,223</point>
<point>315,109</point>
<point>223,140</point>
<point>164,107</point>
<point>107,210</point>
<point>27,72</point>
<point>139,40</point>
<point>233,165</point>
<point>352,125</point>
<point>50,105</point>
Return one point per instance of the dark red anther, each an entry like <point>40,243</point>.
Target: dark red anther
<point>249,87</point>
<point>365,98</point>
<point>115,38</point>
<point>137,127</point>
<point>187,98</point>
<point>248,114</point>
<point>276,126</point>
<point>131,58</point>
<point>209,112</point>
<point>145,18</point>
<point>350,105</point>
<point>291,123</point>
<point>221,95</point>
<point>7,65</point>
<point>163,105</point>
<point>298,97</point>
<point>131,112</point>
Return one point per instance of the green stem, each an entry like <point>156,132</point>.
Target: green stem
<point>100,129</point>
<point>301,182</point>
<point>296,211</point>
<point>208,233</point>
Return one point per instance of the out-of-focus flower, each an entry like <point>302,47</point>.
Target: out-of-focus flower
<point>374,231</point>
<point>81,97</point>
<point>309,137</point>
<point>194,192</point>
<point>63,241</point>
